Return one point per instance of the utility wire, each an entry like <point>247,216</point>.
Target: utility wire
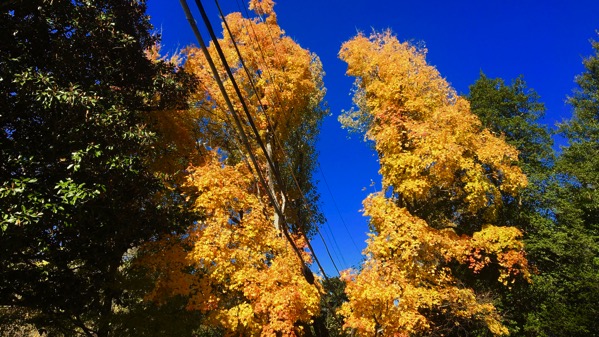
<point>269,123</point>
<point>337,207</point>
<point>236,87</point>
<point>275,138</point>
<point>254,129</point>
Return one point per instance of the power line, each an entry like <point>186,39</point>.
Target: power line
<point>337,207</point>
<point>269,123</point>
<point>235,86</point>
<point>257,134</point>
<point>306,271</point>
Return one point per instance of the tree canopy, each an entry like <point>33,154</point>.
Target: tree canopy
<point>241,262</point>
<point>565,290</point>
<point>444,175</point>
<point>80,99</point>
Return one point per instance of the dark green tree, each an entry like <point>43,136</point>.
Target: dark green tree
<point>514,111</point>
<point>566,291</point>
<point>332,299</point>
<point>78,151</point>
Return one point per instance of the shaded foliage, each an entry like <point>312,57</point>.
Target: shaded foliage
<point>566,251</point>
<point>513,111</point>
<point>77,93</point>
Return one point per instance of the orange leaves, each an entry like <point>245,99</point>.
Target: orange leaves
<point>262,7</point>
<point>503,245</point>
<point>394,75</point>
<point>407,274</point>
<point>232,263</point>
<point>288,78</point>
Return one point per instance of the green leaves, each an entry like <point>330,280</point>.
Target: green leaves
<point>76,186</point>
<point>514,111</point>
<point>567,287</point>
<point>20,214</point>
<point>71,193</point>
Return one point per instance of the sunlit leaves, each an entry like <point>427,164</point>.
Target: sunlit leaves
<point>426,137</point>
<point>445,176</point>
<point>288,78</point>
<point>233,264</point>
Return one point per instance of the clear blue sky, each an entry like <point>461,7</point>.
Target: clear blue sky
<point>543,40</point>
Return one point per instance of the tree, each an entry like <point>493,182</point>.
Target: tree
<point>283,90</point>
<point>331,300</point>
<point>436,225</point>
<point>235,264</point>
<point>513,111</point>
<point>83,105</point>
<point>566,252</point>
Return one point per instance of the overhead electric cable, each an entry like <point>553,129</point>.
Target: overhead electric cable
<point>257,134</point>
<point>337,207</point>
<point>269,123</point>
<point>330,237</point>
<point>274,135</point>
<point>253,126</point>
<point>224,92</point>
<point>235,86</point>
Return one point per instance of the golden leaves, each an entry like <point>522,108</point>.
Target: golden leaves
<point>406,273</point>
<point>438,162</point>
<point>232,263</point>
<point>262,7</point>
<point>425,135</point>
<point>503,245</point>
<point>287,78</point>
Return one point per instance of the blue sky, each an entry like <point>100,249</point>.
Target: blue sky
<point>543,40</point>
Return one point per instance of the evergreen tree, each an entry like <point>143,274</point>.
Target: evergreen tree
<point>566,290</point>
<point>513,111</point>
<point>79,184</point>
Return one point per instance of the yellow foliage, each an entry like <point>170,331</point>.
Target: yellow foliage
<point>233,264</point>
<point>288,78</point>
<point>433,152</point>
<point>424,133</point>
<point>406,273</point>
<point>262,7</point>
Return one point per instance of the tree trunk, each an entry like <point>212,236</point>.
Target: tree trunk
<point>278,222</point>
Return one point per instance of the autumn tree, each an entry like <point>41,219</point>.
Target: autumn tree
<point>82,102</point>
<point>241,263</point>
<point>436,224</point>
